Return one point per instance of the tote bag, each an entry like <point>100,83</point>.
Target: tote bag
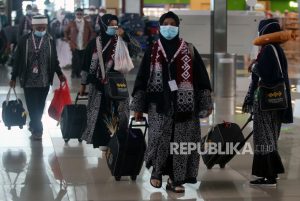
<point>273,97</point>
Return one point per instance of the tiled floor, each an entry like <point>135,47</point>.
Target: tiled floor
<point>52,170</point>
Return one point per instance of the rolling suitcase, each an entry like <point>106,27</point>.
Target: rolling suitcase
<point>222,134</point>
<point>74,120</point>
<point>125,154</point>
<point>13,112</point>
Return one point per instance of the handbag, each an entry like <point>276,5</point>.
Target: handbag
<point>115,85</point>
<point>272,98</point>
<point>61,98</point>
<point>13,112</point>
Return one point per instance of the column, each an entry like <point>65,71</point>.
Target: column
<point>299,8</point>
<point>222,63</point>
<point>96,3</point>
<point>132,6</point>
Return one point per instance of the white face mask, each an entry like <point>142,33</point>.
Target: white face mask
<point>79,20</point>
<point>29,12</point>
<point>92,12</point>
<point>101,14</point>
<point>60,16</point>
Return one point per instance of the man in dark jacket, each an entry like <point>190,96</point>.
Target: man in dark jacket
<point>35,65</point>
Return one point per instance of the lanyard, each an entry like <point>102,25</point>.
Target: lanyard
<point>106,46</point>
<point>34,43</point>
<point>174,57</point>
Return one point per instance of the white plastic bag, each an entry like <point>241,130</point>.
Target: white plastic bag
<point>64,53</point>
<point>123,62</point>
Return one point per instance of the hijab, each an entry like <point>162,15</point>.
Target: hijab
<point>170,46</point>
<point>104,22</point>
<point>268,26</point>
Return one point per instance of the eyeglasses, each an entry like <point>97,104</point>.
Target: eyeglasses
<point>79,14</point>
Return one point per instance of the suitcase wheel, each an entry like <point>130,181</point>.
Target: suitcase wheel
<point>117,178</point>
<point>222,166</point>
<point>21,127</point>
<point>133,178</point>
<point>9,127</point>
<point>66,140</point>
<point>79,140</point>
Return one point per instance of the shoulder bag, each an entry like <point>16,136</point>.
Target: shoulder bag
<point>272,98</point>
<point>115,85</point>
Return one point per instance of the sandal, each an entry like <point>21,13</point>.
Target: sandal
<point>175,189</point>
<point>159,178</point>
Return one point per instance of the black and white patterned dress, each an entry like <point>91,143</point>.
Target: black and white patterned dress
<point>267,124</point>
<point>99,106</point>
<point>165,125</point>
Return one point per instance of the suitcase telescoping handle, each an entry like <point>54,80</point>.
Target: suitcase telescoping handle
<point>84,97</point>
<point>145,124</point>
<point>251,133</point>
<point>248,121</point>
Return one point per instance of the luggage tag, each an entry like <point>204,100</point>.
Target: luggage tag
<point>173,85</point>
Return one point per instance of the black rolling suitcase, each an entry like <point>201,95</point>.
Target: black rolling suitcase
<point>221,134</point>
<point>13,112</point>
<point>74,120</point>
<point>125,154</point>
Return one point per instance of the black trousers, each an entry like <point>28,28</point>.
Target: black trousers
<point>77,62</point>
<point>35,101</point>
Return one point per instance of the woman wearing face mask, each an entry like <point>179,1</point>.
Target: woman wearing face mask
<point>269,68</point>
<point>35,64</point>
<point>173,87</point>
<point>101,107</point>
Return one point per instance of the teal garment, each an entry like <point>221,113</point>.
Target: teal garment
<point>3,21</point>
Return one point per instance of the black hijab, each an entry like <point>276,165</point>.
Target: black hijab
<point>268,26</point>
<point>104,22</point>
<point>170,46</point>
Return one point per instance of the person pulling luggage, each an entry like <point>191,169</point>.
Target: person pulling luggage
<point>101,108</point>
<point>173,97</point>
<point>35,64</point>
<point>269,69</point>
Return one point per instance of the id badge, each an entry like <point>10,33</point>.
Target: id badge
<point>35,69</point>
<point>173,85</point>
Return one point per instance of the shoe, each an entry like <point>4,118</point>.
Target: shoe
<point>103,148</point>
<point>264,182</point>
<point>159,178</point>
<point>173,188</point>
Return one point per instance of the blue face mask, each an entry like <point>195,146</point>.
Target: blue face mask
<point>111,30</point>
<point>169,32</point>
<point>40,33</point>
